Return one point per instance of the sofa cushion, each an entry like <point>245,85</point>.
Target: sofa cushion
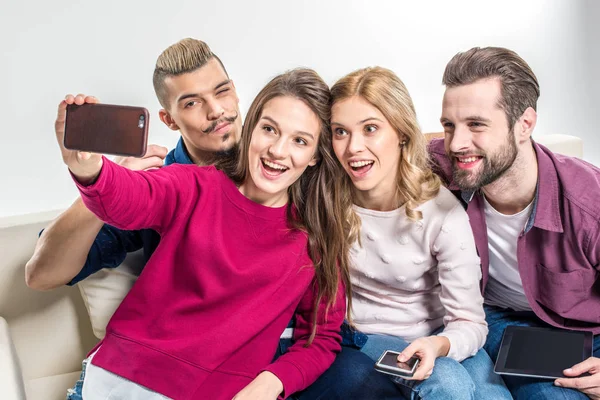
<point>103,291</point>
<point>11,379</point>
<point>52,387</point>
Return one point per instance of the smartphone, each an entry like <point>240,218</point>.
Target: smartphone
<point>388,364</point>
<point>107,129</point>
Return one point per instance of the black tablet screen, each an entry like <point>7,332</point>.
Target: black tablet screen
<point>544,350</point>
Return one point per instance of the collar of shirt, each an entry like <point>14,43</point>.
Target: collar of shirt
<point>178,155</point>
<point>545,213</point>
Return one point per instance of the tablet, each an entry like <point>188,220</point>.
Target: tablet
<point>541,352</point>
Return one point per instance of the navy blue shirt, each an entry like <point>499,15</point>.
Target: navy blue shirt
<point>112,244</point>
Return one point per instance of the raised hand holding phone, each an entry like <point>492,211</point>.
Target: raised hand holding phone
<point>84,166</point>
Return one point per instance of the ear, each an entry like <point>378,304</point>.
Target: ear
<point>237,99</point>
<point>313,162</point>
<point>525,125</point>
<point>166,118</point>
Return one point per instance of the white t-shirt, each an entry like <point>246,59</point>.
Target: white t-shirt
<point>504,287</point>
<point>409,278</point>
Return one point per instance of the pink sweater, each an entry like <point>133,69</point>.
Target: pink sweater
<point>205,316</point>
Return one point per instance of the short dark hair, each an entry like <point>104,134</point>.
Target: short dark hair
<point>519,86</point>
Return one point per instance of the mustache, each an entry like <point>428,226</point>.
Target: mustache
<point>212,126</point>
<point>466,153</point>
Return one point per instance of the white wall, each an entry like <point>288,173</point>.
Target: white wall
<point>108,48</point>
<point>591,13</point>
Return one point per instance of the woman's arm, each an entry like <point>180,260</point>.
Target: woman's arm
<point>459,272</point>
<point>139,199</point>
<point>302,364</point>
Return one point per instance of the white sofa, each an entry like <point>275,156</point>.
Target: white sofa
<point>45,335</point>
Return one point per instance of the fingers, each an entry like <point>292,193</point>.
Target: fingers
<point>80,99</point>
<point>59,125</point>
<point>409,351</point>
<point>584,366</point>
<point>140,164</point>
<point>424,369</point>
<point>151,162</point>
<point>586,382</point>
<point>156,150</point>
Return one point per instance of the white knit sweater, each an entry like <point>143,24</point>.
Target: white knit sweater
<point>409,278</point>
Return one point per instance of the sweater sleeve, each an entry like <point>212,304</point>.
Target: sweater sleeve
<point>139,199</point>
<point>459,275</point>
<point>302,364</point>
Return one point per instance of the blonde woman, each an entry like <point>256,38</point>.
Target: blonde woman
<point>415,270</point>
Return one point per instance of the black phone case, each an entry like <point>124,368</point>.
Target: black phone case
<point>107,129</point>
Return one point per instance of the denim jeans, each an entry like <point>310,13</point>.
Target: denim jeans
<point>351,376</point>
<point>76,392</point>
<point>474,378</point>
<point>521,387</point>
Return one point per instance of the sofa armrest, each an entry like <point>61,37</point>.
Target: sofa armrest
<point>11,380</point>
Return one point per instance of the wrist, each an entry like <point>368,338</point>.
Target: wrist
<point>272,382</point>
<point>442,345</point>
<point>88,175</point>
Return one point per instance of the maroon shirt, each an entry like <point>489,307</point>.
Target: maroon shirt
<point>559,251</point>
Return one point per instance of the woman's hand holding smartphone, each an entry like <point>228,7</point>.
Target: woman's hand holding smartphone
<point>85,166</point>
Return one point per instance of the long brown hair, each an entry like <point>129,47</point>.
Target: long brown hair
<point>415,183</point>
<point>315,204</point>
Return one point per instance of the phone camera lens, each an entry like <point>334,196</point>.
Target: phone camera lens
<point>141,117</point>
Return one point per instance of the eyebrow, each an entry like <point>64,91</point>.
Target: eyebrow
<point>469,118</point>
<point>277,126</point>
<point>189,95</point>
<point>359,122</point>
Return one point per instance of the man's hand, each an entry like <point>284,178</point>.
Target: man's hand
<point>590,385</point>
<point>266,386</point>
<point>154,158</point>
<point>85,166</point>
<point>427,349</point>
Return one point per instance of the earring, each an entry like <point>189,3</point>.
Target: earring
<point>403,143</point>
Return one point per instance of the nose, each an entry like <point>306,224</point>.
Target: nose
<point>356,143</point>
<point>278,149</point>
<point>215,110</point>
<point>459,140</point>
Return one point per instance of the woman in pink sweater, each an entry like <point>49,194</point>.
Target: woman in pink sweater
<point>415,270</point>
<point>243,248</point>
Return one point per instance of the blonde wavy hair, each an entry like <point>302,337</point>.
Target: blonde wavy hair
<point>416,182</point>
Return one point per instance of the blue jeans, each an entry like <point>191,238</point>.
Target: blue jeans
<point>351,376</point>
<point>521,387</point>
<point>75,393</point>
<point>474,378</point>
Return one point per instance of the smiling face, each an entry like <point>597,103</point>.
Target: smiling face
<point>283,144</point>
<point>477,136</point>
<point>367,146</point>
<point>203,106</point>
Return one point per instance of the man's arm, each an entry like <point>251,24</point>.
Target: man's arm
<point>62,249</point>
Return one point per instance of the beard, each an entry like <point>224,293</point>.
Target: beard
<point>493,166</point>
